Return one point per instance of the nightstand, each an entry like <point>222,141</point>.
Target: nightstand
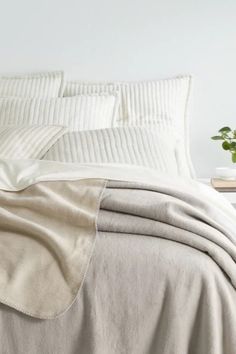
<point>230,196</point>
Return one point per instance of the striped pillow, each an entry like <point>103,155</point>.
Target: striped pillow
<point>78,113</point>
<point>74,88</point>
<point>49,84</point>
<point>28,142</point>
<point>163,103</point>
<point>160,102</point>
<point>128,145</point>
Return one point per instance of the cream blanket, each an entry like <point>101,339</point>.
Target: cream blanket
<point>47,232</point>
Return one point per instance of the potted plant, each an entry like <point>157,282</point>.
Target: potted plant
<point>228,138</point>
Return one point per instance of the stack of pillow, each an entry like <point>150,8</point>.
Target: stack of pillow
<point>142,123</point>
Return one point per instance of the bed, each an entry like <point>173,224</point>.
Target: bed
<point>108,244</point>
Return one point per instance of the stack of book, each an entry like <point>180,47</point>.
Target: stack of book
<point>223,185</point>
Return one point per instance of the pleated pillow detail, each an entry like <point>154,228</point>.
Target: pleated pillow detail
<point>128,145</point>
<point>28,142</point>
<point>77,113</point>
<point>49,84</point>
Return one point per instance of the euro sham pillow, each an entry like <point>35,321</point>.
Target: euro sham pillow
<point>161,103</point>
<point>28,142</point>
<point>77,113</point>
<point>127,145</point>
<point>49,84</point>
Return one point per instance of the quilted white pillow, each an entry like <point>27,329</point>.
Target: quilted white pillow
<point>162,103</point>
<point>74,88</point>
<point>49,84</point>
<point>128,145</point>
<point>28,142</point>
<point>78,113</point>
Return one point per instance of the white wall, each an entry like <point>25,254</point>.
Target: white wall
<point>134,39</point>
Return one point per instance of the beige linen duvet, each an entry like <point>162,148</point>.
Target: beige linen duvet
<point>114,259</point>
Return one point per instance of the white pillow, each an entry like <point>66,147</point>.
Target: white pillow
<point>50,84</point>
<point>28,142</point>
<point>74,88</point>
<point>128,145</point>
<point>163,103</point>
<point>78,113</point>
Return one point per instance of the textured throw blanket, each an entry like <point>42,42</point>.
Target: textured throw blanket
<point>163,275</point>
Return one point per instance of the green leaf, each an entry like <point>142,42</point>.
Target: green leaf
<point>226,145</point>
<point>234,157</point>
<point>234,133</point>
<point>225,130</point>
<point>233,145</point>
<point>217,137</point>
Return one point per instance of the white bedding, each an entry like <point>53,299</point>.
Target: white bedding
<point>159,105</point>
<point>163,103</point>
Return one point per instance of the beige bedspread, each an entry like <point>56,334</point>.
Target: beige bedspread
<point>162,277</point>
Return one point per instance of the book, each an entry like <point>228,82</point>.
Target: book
<point>223,185</point>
